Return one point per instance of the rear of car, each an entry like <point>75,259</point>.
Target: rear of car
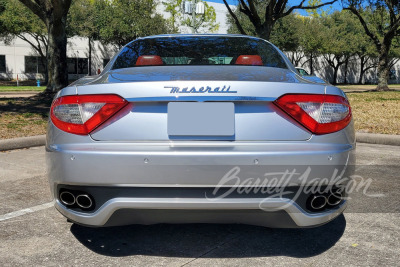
<point>203,129</point>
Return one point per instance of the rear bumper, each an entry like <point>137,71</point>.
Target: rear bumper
<point>190,165</point>
<point>266,212</point>
<point>78,161</point>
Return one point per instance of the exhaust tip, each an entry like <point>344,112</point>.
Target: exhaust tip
<point>84,201</point>
<point>318,202</point>
<point>334,199</point>
<point>67,198</point>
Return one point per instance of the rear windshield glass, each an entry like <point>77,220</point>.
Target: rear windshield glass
<point>199,50</point>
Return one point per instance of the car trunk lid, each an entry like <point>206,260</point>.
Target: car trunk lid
<point>254,116</point>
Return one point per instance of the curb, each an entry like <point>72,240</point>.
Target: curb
<point>380,139</point>
<point>22,142</point>
<point>40,140</point>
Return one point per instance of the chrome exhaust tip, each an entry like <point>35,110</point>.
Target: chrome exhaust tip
<point>318,202</point>
<point>67,198</point>
<point>334,199</point>
<point>84,201</point>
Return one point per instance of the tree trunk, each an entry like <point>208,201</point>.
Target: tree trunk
<point>346,64</point>
<point>383,72</point>
<point>311,64</point>
<point>264,31</point>
<point>43,61</point>
<point>362,72</point>
<point>335,72</point>
<point>362,65</point>
<point>383,64</point>
<point>54,14</point>
<point>383,76</point>
<point>57,54</point>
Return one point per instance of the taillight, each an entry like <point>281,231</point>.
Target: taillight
<point>81,114</point>
<point>321,114</point>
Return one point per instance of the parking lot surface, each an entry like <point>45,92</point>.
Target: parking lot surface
<point>32,232</point>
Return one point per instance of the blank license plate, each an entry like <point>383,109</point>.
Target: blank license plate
<point>201,119</point>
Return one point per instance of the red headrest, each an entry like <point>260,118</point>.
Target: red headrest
<point>254,60</point>
<point>149,61</point>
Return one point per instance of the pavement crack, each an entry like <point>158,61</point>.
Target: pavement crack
<point>235,236</point>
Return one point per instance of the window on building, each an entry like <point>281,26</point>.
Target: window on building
<point>77,65</point>
<point>105,62</point>
<point>392,74</point>
<point>2,63</point>
<point>71,63</point>
<point>34,65</point>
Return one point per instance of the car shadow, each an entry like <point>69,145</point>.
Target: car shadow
<point>210,240</point>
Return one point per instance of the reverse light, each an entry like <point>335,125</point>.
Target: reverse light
<point>81,114</point>
<point>320,114</point>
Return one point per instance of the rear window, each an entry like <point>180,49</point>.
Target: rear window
<point>199,50</point>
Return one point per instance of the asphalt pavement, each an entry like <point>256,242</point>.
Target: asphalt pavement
<point>33,233</point>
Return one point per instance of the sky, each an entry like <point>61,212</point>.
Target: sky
<point>336,6</point>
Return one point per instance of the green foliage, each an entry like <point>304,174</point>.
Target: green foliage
<point>318,13</point>
<point>173,8</point>
<point>2,9</point>
<point>378,21</point>
<point>16,19</point>
<point>121,21</point>
<point>311,32</point>
<point>82,19</point>
<point>339,34</point>
<point>205,23</point>
<point>287,33</point>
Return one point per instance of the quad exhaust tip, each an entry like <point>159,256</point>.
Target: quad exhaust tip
<point>84,201</point>
<point>334,198</point>
<point>318,202</point>
<point>67,198</point>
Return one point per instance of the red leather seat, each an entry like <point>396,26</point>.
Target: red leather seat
<point>149,61</point>
<point>254,60</point>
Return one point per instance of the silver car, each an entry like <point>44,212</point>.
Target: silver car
<point>310,77</point>
<point>200,129</point>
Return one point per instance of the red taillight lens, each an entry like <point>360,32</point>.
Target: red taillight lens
<point>81,114</point>
<point>321,114</point>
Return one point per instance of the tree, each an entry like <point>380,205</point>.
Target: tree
<point>244,21</point>
<point>381,22</point>
<point>19,22</point>
<point>82,22</point>
<point>54,15</point>
<point>311,39</point>
<point>205,23</point>
<point>286,33</point>
<point>264,21</point>
<point>339,41</point>
<point>286,36</point>
<point>121,21</point>
<point>365,50</point>
<point>2,9</point>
